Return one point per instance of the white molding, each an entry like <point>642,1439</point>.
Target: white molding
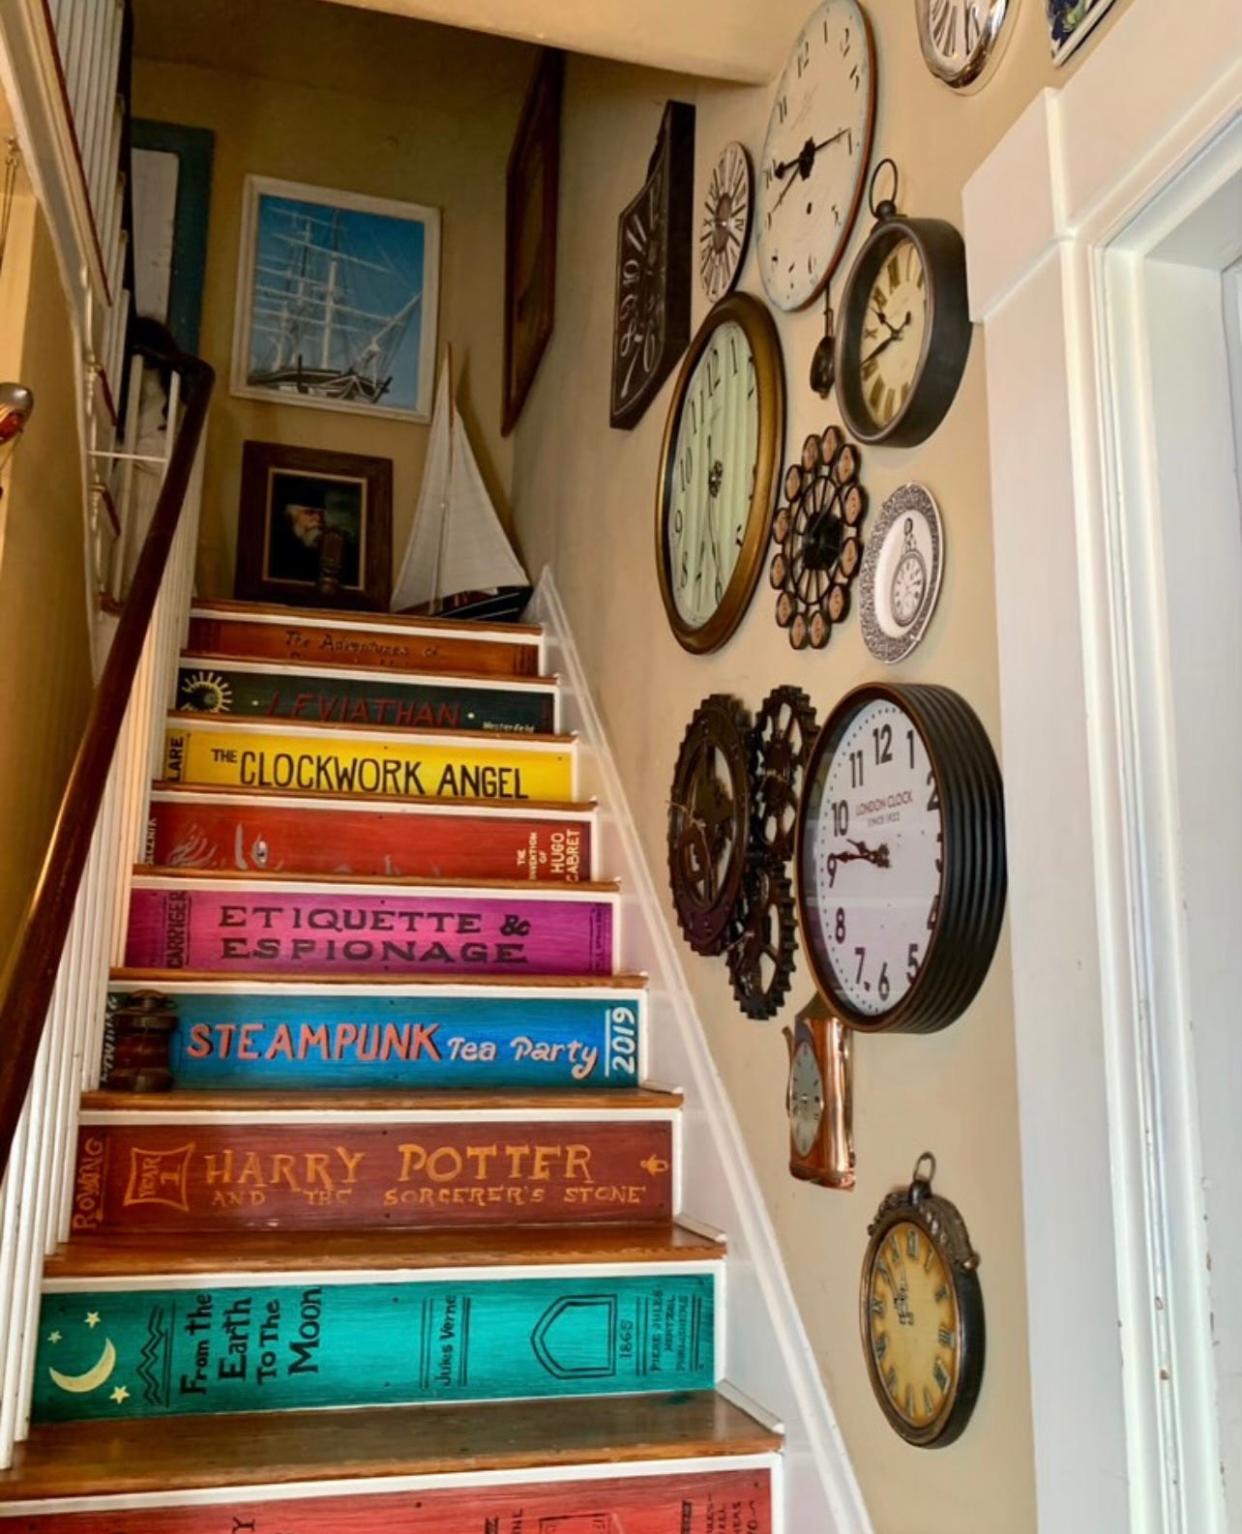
<point>1123,1399</point>
<point>770,1358</point>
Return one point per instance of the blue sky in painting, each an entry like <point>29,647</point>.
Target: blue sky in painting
<point>379,268</point>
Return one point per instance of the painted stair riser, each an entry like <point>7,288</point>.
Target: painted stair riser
<point>362,1173</point>
<point>252,931</point>
<point>404,1043</point>
<point>271,1347</point>
<point>204,686</point>
<point>717,1501</point>
<point>337,644</point>
<point>235,756</point>
<point>283,838</point>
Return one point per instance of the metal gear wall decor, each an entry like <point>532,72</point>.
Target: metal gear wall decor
<point>785,730</point>
<point>817,533</point>
<point>761,957</point>
<point>709,821</point>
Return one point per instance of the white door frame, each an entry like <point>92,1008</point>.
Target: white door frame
<point>1062,222</point>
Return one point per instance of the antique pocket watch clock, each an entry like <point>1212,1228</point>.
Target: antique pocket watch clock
<point>901,858</point>
<point>921,1313</point>
<point>816,152</point>
<point>903,328</point>
<point>818,1098</point>
<point>963,39</point>
<point>901,571</point>
<point>718,472</point>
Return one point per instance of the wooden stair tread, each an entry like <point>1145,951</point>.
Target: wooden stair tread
<point>273,1251</point>
<point>476,739</point>
<point>343,617</point>
<point>393,673</point>
<point>379,802</point>
<point>154,978</point>
<point>559,890</point>
<point>286,1448</point>
<point>619,1100</point>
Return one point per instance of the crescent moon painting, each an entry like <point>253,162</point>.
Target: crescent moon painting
<point>80,1384</point>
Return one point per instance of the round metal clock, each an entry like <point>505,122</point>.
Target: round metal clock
<point>901,858</point>
<point>816,152</point>
<point>963,39</point>
<point>725,223</point>
<point>903,332</point>
<point>718,474</point>
<point>901,570</point>
<point>921,1313</point>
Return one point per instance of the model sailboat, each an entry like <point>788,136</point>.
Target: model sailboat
<point>458,561</point>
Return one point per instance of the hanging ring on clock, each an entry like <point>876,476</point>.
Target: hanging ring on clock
<point>920,1185</point>
<point>888,206</point>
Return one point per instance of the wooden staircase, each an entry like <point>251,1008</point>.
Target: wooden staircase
<point>405,1240</point>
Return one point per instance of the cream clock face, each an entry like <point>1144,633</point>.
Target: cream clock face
<point>961,38</point>
<point>816,152</point>
<point>713,474</point>
<point>913,1331</point>
<point>894,331</point>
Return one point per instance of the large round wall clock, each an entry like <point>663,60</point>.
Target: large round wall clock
<point>718,472</point>
<point>963,39</point>
<point>921,1313</point>
<point>903,329</point>
<point>816,153</point>
<point>901,858</point>
<point>724,225</point>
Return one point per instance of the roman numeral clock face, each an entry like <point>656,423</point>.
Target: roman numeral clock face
<point>913,1325</point>
<point>960,37</point>
<point>816,153</point>
<point>894,332</point>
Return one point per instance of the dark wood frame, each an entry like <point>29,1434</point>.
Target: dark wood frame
<point>538,131</point>
<point>259,461</point>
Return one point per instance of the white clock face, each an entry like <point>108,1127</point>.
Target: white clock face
<point>959,36</point>
<point>872,866</point>
<point>712,474</point>
<point>815,154</point>
<point>893,330</point>
<point>806,1098</point>
<point>725,222</point>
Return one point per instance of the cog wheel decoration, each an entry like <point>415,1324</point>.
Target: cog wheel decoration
<point>817,531</point>
<point>709,821</point>
<point>784,733</point>
<point>761,956</point>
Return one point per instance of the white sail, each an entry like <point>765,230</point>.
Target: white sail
<point>456,543</point>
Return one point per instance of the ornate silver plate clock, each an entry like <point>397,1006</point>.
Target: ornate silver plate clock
<point>901,858</point>
<point>921,1313</point>
<point>963,39</point>
<point>724,224</point>
<point>816,153</point>
<point>900,577</point>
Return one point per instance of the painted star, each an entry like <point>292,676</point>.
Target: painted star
<point>120,1394</point>
<point>92,1319</point>
<point>53,1336</point>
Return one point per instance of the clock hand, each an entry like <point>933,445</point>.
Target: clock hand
<point>806,155</point>
<point>864,854</point>
<point>894,335</point>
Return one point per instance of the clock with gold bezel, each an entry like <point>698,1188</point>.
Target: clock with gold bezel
<point>921,1313</point>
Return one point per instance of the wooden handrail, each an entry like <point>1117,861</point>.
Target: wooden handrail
<point>34,960</point>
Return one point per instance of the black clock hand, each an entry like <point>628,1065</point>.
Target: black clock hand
<point>864,854</point>
<point>806,155</point>
<point>894,335</point>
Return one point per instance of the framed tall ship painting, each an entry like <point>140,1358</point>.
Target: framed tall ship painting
<point>337,298</point>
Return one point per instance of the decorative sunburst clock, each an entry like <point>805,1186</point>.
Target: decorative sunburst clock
<point>819,543</point>
<point>724,225</point>
<point>205,692</point>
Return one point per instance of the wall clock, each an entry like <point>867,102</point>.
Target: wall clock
<point>651,324</point>
<point>709,822</point>
<point>921,1312</point>
<point>963,39</point>
<point>761,956</point>
<point>901,858</point>
<point>724,225</point>
<point>819,1098</point>
<point>718,472</point>
<point>816,153</point>
<point>901,570</point>
<point>818,536</point>
<point>903,332</point>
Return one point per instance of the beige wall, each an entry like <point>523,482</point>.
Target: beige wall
<point>370,104</point>
<point>584,496</point>
<point>45,681</point>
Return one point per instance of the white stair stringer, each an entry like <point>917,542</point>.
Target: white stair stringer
<point>767,1353</point>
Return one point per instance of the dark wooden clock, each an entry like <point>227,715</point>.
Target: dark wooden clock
<point>652,322</point>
